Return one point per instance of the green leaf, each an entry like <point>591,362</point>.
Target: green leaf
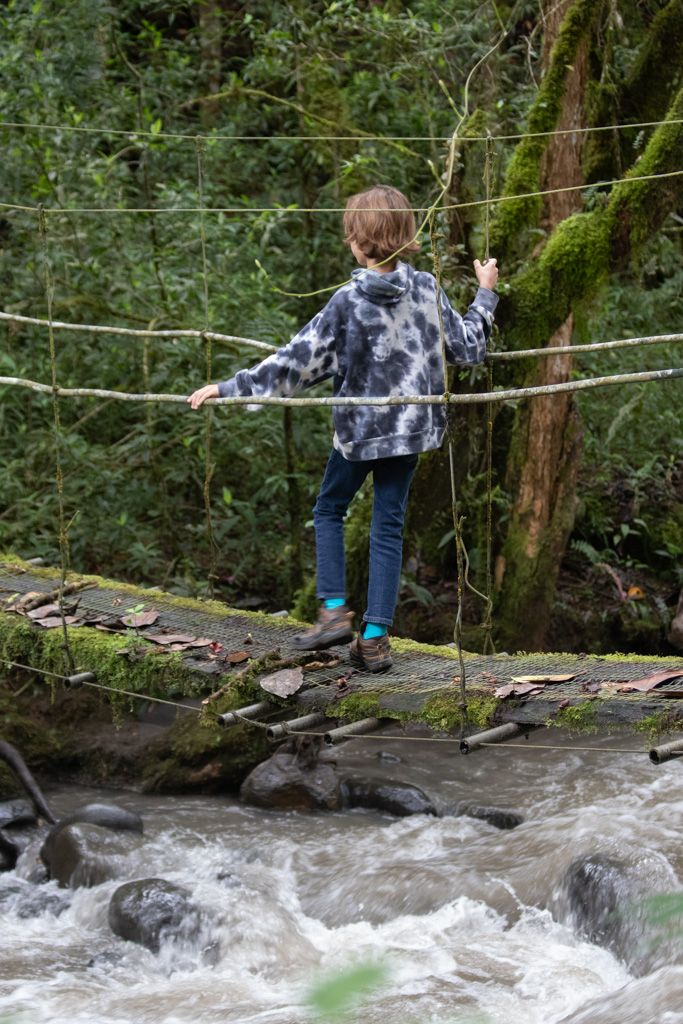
<point>156,126</point>
<point>339,993</point>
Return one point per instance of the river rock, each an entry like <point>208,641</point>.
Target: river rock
<point>151,909</point>
<point>282,783</point>
<point>492,815</point>
<point>595,887</point>
<point>16,814</point>
<point>9,853</point>
<point>27,901</point>
<point>398,798</point>
<point>87,855</point>
<point>105,815</point>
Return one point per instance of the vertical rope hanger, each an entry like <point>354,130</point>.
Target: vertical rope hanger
<point>487,624</point>
<point>63,528</point>
<point>208,466</point>
<point>457,520</point>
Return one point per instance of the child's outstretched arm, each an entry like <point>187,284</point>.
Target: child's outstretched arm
<point>466,336</point>
<point>309,358</point>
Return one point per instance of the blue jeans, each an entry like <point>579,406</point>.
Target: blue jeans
<point>341,482</point>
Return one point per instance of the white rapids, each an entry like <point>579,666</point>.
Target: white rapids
<point>469,921</point>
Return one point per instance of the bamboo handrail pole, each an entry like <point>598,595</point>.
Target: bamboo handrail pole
<point>573,350</point>
<point>513,394</point>
<point>135,333</point>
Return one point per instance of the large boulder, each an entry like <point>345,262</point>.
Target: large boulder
<point>398,798</point>
<point>150,910</point>
<point>104,815</point>
<point>282,783</point>
<point>9,852</point>
<point>87,855</point>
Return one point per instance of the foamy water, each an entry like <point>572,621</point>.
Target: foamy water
<point>471,922</point>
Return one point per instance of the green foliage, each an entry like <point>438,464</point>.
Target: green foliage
<point>342,992</point>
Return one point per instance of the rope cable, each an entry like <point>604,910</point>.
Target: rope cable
<point>208,467</point>
<point>63,530</point>
<point>339,209</point>
<point>457,522</point>
<point>184,137</point>
<point>487,624</point>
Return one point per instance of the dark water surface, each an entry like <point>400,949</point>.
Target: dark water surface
<point>472,922</point>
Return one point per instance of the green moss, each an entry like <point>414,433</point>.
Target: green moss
<point>660,724</point>
<point>404,646</point>
<point>523,170</point>
<point>442,712</point>
<point>577,718</point>
<point>362,705</point>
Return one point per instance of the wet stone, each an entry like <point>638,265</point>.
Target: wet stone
<point>16,814</point>
<point>495,816</point>
<point>150,910</point>
<point>282,783</point>
<point>26,901</point>
<point>398,798</point>
<point>104,815</point>
<point>87,855</point>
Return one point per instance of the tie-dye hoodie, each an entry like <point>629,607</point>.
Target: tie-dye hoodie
<point>378,335</point>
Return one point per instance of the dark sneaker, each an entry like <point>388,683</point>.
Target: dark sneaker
<point>373,655</point>
<point>333,627</point>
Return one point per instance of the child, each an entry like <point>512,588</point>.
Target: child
<point>378,335</point>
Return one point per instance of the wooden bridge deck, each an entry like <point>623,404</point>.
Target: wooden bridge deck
<point>423,684</point>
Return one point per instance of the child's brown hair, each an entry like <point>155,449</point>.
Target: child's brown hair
<point>379,234</point>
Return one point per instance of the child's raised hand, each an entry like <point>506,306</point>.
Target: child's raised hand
<point>487,273</point>
<point>200,396</point>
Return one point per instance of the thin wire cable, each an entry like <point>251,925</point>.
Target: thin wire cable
<point>339,209</point>
<point>573,350</point>
<point>101,686</point>
<point>512,394</point>
<point>208,467</point>
<point>63,531</point>
<point>131,133</point>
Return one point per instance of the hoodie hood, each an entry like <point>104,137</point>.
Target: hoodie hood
<point>384,289</point>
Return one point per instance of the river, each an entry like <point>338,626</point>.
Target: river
<point>471,923</point>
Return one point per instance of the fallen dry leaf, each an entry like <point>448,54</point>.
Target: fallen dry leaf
<point>42,613</point>
<point>140,619</point>
<point>564,703</point>
<point>170,638</point>
<point>668,693</point>
<point>312,666</point>
<point>52,621</point>
<point>519,689</point>
<point>649,682</point>
<point>202,641</point>
<point>237,657</point>
<point>591,687</point>
<point>108,629</point>
<point>543,679</point>
<point>285,682</point>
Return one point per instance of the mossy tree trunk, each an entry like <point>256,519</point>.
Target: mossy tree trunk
<point>579,253</point>
<point>546,441</point>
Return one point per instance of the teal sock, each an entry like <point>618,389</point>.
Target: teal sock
<point>373,629</point>
<point>334,602</point>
